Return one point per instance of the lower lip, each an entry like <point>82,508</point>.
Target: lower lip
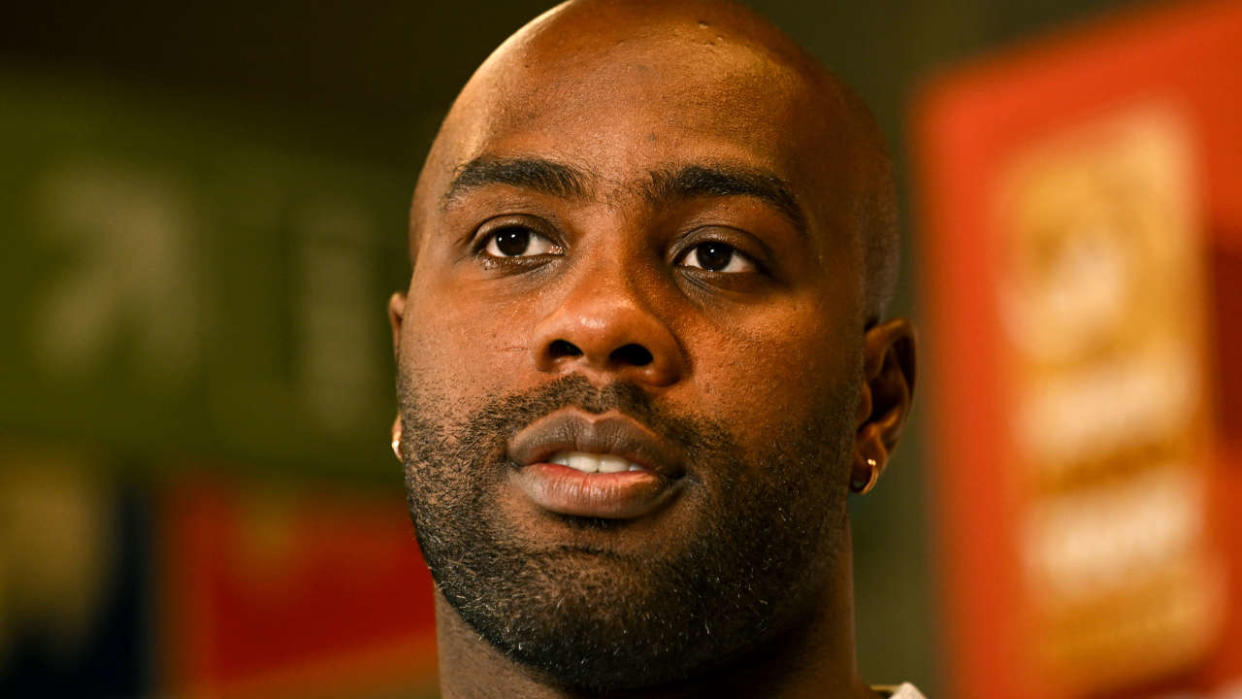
<point>567,491</point>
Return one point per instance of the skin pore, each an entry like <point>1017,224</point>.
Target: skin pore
<point>655,231</point>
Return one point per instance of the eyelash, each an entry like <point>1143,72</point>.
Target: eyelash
<point>735,256</point>
<point>487,238</point>
<point>490,239</point>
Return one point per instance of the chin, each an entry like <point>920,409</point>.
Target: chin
<point>597,622</point>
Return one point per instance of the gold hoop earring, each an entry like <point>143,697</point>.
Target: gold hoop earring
<point>396,447</point>
<point>873,475</point>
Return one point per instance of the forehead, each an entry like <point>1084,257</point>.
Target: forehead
<point>658,82</point>
<point>637,105</point>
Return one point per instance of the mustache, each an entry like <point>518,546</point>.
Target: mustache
<point>505,416</point>
<point>576,391</point>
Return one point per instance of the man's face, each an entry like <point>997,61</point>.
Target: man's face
<point>645,270</point>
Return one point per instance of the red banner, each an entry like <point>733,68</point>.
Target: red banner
<point>1082,202</point>
<point>272,591</point>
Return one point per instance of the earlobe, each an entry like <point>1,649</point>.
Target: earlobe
<point>396,438</point>
<point>884,404</point>
<point>396,314</point>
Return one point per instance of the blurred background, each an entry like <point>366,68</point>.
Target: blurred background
<point>204,213</point>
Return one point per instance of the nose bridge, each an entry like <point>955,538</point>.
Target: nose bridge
<point>607,285</point>
<point>604,323</point>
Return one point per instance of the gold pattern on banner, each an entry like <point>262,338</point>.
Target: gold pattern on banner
<point>1101,304</point>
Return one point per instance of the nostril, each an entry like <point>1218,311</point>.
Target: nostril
<point>632,355</point>
<point>562,348</point>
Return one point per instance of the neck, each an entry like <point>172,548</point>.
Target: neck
<point>813,659</point>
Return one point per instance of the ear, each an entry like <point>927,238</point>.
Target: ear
<point>396,314</point>
<point>884,403</point>
<point>396,438</point>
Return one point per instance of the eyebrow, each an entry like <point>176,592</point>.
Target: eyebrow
<point>687,182</point>
<point>538,174</point>
<point>726,181</point>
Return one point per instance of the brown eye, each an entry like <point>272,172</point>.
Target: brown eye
<point>714,256</point>
<point>516,241</point>
<point>512,241</point>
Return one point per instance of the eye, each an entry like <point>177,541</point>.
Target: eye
<point>518,241</point>
<point>714,256</point>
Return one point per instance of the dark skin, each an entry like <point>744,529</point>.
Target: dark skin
<point>680,179</point>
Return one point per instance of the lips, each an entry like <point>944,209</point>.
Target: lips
<point>607,466</point>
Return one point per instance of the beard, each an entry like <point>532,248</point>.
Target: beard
<point>767,532</point>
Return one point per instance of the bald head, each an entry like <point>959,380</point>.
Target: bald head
<point>614,88</point>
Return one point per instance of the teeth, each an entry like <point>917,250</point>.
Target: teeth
<point>593,463</point>
<point>587,463</point>
<point>612,464</point>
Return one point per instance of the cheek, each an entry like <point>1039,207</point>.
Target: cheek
<point>781,373</point>
<point>455,345</point>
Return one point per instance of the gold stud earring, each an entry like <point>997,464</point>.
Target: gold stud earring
<point>873,475</point>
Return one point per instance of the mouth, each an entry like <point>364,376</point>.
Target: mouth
<point>593,463</point>
<point>603,466</point>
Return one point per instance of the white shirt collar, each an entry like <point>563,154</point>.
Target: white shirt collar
<point>905,691</point>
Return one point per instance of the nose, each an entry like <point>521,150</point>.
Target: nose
<point>602,328</point>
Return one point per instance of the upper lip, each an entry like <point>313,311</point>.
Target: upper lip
<point>610,433</point>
